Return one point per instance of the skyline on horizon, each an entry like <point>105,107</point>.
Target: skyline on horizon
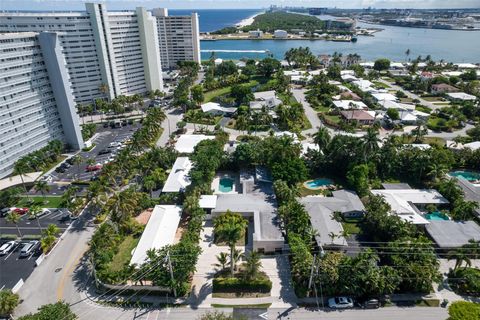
<point>49,5</point>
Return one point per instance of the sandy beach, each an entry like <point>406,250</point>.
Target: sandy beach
<point>248,21</point>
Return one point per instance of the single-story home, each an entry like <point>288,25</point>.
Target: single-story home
<point>406,203</point>
<point>362,116</point>
<point>448,234</point>
<point>466,66</point>
<point>321,210</point>
<point>350,104</point>
<point>471,192</point>
<point>439,88</point>
<point>265,98</point>
<point>306,146</point>
<point>348,95</point>
<point>364,85</point>
<point>349,78</point>
<point>380,97</point>
<point>159,232</point>
<point>255,202</point>
<point>461,96</point>
<point>178,178</point>
<point>186,142</point>
<point>208,201</point>
<point>475,145</point>
<point>215,108</point>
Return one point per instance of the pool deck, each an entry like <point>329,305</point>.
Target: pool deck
<point>232,175</point>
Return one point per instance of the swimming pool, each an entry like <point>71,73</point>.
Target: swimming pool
<point>318,183</point>
<point>436,215</point>
<point>466,174</point>
<point>226,184</point>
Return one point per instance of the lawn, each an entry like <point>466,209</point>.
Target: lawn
<point>124,254</point>
<point>210,95</point>
<point>423,109</point>
<point>406,100</point>
<point>381,85</point>
<point>351,227</point>
<point>333,118</point>
<point>47,202</point>
<point>428,140</point>
<point>433,98</point>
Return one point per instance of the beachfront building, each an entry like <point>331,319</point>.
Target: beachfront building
<point>281,34</point>
<point>36,102</point>
<point>255,33</point>
<point>178,38</point>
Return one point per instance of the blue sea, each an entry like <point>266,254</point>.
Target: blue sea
<point>392,42</point>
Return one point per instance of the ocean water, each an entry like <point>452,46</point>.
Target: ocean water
<point>211,20</point>
<point>392,42</point>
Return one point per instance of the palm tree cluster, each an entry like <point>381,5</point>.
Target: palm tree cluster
<point>301,58</point>
<point>39,160</point>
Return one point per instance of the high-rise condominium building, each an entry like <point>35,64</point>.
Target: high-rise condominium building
<point>36,105</point>
<point>178,37</point>
<point>107,54</point>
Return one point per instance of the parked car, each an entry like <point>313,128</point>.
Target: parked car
<point>70,160</point>
<point>7,247</point>
<point>47,178</point>
<point>20,211</point>
<point>370,304</point>
<point>340,303</point>
<point>29,248</point>
<point>4,212</point>
<point>104,151</point>
<point>94,167</point>
<point>60,169</point>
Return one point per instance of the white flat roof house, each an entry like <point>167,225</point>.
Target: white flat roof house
<point>216,109</point>
<point>363,85</point>
<point>186,142</point>
<point>462,96</point>
<point>404,202</point>
<point>380,97</point>
<point>178,178</point>
<point>472,145</point>
<point>159,231</point>
<point>350,104</point>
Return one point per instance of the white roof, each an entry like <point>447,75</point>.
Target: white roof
<point>461,96</point>
<point>187,142</point>
<point>178,178</point>
<point>214,106</point>
<point>396,65</point>
<point>367,64</point>
<point>349,77</point>
<point>309,146</point>
<point>345,72</point>
<point>473,145</point>
<point>350,104</point>
<point>159,231</point>
<point>208,201</point>
<point>422,146</point>
<point>287,133</point>
<point>384,97</point>
<point>408,116</point>
<point>363,84</point>
<point>466,65</point>
<point>452,73</point>
<point>264,95</point>
<point>218,61</point>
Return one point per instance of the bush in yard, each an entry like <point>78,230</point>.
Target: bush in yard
<point>463,310</point>
<point>465,281</point>
<point>8,302</point>
<point>263,285</point>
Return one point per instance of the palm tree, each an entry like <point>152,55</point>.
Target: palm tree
<point>460,257</point>
<point>229,228</point>
<point>78,161</point>
<point>49,237</point>
<point>13,217</point>
<point>370,143</point>
<point>252,265</point>
<point>8,302</point>
<point>149,184</point>
<point>237,256</point>
<point>34,212</point>
<point>20,168</point>
<point>332,236</point>
<point>419,132</point>
<point>43,187</point>
<point>222,259</point>
<point>322,138</point>
<point>436,171</point>
<point>52,230</point>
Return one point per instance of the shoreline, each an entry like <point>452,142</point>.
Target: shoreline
<point>248,21</point>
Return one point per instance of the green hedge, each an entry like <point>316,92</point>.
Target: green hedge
<point>263,285</point>
<point>465,281</point>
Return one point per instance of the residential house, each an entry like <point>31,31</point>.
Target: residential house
<point>350,104</point>
<point>265,98</point>
<point>460,96</point>
<point>178,178</point>
<point>361,116</point>
<point>440,88</point>
<point>448,234</point>
<point>186,142</point>
<point>216,109</point>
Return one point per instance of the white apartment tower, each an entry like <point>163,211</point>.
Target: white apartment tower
<point>178,37</point>
<point>107,54</point>
<point>35,104</point>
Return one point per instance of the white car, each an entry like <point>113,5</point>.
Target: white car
<point>340,303</point>
<point>7,247</point>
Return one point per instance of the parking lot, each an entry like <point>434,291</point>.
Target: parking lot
<point>106,136</point>
<point>12,266</point>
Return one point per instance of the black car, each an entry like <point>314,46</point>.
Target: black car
<point>370,304</point>
<point>70,160</point>
<point>105,125</point>
<point>4,212</point>
<point>104,151</point>
<point>130,121</point>
<point>60,169</point>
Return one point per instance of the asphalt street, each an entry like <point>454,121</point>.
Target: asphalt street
<point>31,226</point>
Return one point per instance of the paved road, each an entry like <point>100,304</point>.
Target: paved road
<point>169,125</point>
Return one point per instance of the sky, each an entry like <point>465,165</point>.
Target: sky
<point>233,4</point>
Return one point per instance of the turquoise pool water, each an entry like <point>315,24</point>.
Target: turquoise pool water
<point>226,184</point>
<point>317,183</point>
<point>466,174</point>
<point>436,215</point>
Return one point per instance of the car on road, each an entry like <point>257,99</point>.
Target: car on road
<point>370,304</point>
<point>7,247</point>
<point>4,211</point>
<point>29,248</point>
<point>340,303</point>
<point>19,211</point>
<point>94,167</point>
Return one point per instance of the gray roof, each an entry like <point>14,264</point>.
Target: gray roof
<point>396,186</point>
<point>453,234</point>
<point>353,202</point>
<point>471,192</point>
<point>320,210</point>
<point>259,200</point>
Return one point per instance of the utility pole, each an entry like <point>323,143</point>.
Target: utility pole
<point>171,273</point>
<point>311,272</point>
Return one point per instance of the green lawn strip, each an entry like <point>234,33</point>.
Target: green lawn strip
<point>210,95</point>
<point>124,254</point>
<point>428,303</point>
<point>406,100</point>
<point>47,202</point>
<point>381,84</point>
<point>433,99</point>
<point>351,227</point>
<point>333,118</point>
<point>250,306</point>
<point>309,192</point>
<point>423,109</point>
